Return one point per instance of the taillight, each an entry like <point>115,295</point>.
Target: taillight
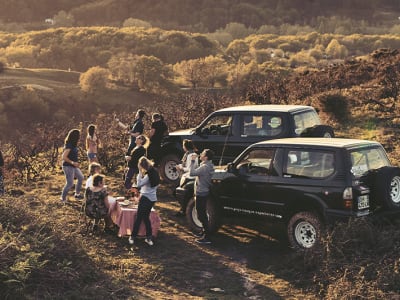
<point>348,197</point>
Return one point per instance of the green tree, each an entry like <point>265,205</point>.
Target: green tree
<point>151,74</point>
<point>94,80</point>
<point>237,49</point>
<point>215,70</point>
<point>336,50</point>
<point>191,70</point>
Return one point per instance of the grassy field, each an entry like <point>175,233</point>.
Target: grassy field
<point>59,260</point>
<point>46,253</point>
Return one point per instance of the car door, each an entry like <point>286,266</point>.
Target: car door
<point>249,191</point>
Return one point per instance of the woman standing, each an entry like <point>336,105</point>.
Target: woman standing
<point>133,159</point>
<point>147,181</point>
<point>92,141</point>
<point>70,165</point>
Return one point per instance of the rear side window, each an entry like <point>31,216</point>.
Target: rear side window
<point>309,163</point>
<point>305,120</point>
<point>262,125</point>
<point>363,160</point>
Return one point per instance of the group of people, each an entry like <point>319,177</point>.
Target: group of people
<point>140,154</point>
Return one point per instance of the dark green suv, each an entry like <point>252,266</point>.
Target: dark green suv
<point>229,131</point>
<point>305,183</point>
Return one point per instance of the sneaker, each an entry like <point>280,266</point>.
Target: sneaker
<point>149,242</point>
<point>203,241</point>
<point>131,240</point>
<point>199,234</point>
<point>78,197</point>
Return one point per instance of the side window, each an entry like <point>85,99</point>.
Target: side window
<point>257,161</point>
<point>305,120</point>
<point>309,163</point>
<point>261,125</point>
<point>217,125</point>
<point>363,160</point>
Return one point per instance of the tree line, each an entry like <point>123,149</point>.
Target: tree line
<point>197,15</point>
<point>158,61</point>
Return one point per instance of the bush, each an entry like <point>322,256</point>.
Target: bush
<point>335,105</point>
<point>93,80</point>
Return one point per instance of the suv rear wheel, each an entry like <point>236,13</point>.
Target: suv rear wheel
<point>168,169</point>
<point>193,220</point>
<point>304,230</point>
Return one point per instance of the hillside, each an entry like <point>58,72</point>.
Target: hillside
<point>197,15</point>
<point>46,253</point>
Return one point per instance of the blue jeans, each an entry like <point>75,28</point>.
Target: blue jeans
<point>70,174</point>
<point>131,174</point>
<point>143,214</point>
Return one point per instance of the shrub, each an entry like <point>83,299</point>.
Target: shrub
<point>94,79</point>
<point>335,105</point>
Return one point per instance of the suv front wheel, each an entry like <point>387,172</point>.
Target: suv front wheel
<point>304,230</point>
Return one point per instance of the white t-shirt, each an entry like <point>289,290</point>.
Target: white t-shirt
<point>89,182</point>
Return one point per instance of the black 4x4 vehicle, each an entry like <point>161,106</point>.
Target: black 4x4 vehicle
<point>305,183</point>
<point>230,130</point>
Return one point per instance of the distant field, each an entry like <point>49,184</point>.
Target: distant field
<point>64,81</point>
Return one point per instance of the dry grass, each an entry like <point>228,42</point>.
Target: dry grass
<point>45,253</point>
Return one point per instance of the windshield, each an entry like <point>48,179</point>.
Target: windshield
<point>363,160</point>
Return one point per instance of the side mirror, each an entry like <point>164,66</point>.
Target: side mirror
<point>229,167</point>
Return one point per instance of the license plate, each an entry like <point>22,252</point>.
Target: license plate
<point>363,201</point>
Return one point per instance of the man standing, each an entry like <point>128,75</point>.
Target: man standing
<point>135,129</point>
<point>202,190</point>
<point>159,129</point>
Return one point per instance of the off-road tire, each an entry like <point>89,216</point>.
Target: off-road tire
<point>167,168</point>
<point>304,231</point>
<point>212,213</point>
<point>387,187</point>
<point>318,131</point>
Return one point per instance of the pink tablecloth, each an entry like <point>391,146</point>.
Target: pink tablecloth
<point>124,218</point>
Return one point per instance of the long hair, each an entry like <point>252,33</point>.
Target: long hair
<point>188,144</point>
<point>73,137</point>
<point>91,129</point>
<point>144,139</point>
<point>145,163</point>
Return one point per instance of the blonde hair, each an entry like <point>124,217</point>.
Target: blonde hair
<point>145,163</point>
<point>93,166</point>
